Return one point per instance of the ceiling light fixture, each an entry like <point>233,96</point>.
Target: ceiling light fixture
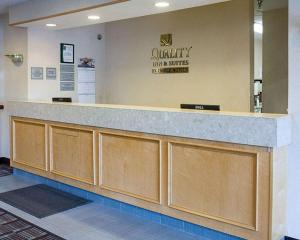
<point>93,17</point>
<point>162,4</point>
<point>51,25</point>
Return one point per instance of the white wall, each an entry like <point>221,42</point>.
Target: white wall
<point>44,48</point>
<point>15,41</point>
<point>3,140</point>
<point>13,84</point>
<point>293,214</point>
<point>1,58</point>
<point>258,50</point>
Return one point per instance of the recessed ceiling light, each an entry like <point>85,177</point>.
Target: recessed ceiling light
<point>162,4</point>
<point>93,17</point>
<point>51,25</point>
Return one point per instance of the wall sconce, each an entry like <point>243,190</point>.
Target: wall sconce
<point>17,59</point>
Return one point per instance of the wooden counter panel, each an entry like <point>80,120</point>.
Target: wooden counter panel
<point>214,182</point>
<point>131,165</point>
<point>29,144</point>
<point>72,153</point>
<point>232,188</point>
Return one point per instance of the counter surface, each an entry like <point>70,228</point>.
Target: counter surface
<point>266,130</point>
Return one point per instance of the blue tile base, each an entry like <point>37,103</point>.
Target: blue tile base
<point>130,209</point>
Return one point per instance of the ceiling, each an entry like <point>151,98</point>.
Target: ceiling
<point>5,4</point>
<point>125,10</point>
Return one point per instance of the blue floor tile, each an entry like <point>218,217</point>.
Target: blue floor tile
<point>180,225</point>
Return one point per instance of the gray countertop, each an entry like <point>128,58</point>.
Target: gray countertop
<point>266,130</point>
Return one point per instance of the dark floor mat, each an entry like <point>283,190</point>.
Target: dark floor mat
<point>41,200</point>
<point>5,170</point>
<point>13,227</point>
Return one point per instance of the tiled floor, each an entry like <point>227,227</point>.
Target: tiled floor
<point>94,221</point>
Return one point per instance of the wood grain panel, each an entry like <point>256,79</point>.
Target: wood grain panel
<point>29,144</point>
<point>212,184</point>
<point>72,153</point>
<point>216,183</point>
<point>131,166</point>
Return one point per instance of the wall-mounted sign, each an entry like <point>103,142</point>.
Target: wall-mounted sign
<point>67,53</point>
<point>37,73</point>
<point>51,73</point>
<point>168,59</point>
<point>166,40</point>
<point>67,86</point>
<point>67,77</point>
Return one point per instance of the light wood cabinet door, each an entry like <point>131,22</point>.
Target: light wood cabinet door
<point>72,153</point>
<point>29,144</point>
<point>214,182</point>
<point>131,166</point>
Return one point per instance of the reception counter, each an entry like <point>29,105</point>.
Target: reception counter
<point>225,171</point>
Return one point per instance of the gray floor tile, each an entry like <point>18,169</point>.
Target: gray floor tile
<point>93,221</point>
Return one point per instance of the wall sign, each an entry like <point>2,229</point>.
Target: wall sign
<point>51,73</point>
<point>67,53</point>
<point>168,59</point>
<point>67,77</point>
<point>36,73</point>
<point>67,86</point>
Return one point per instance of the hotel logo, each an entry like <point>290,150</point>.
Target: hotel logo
<point>166,40</point>
<point>170,59</point>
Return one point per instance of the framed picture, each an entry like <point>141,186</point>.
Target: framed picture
<point>36,73</point>
<point>51,73</point>
<point>67,53</point>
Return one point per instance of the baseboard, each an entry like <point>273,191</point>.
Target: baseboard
<point>4,160</point>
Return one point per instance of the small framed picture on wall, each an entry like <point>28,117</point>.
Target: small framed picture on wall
<point>67,53</point>
<point>50,73</point>
<point>37,73</point>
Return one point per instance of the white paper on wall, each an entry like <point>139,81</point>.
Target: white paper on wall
<point>67,77</point>
<point>86,88</point>
<point>87,98</point>
<point>86,85</point>
<point>86,75</point>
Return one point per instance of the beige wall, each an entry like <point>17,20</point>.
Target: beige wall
<point>275,61</point>
<point>220,69</point>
